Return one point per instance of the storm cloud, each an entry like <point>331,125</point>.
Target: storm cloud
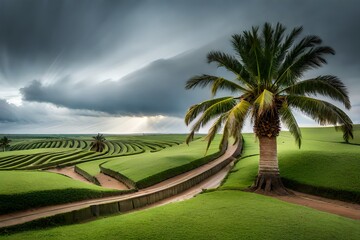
<point>157,89</point>
<point>121,59</point>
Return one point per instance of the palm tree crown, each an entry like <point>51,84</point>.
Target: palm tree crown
<point>98,144</point>
<point>267,86</point>
<point>4,143</point>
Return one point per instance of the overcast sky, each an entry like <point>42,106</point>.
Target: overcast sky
<point>89,66</point>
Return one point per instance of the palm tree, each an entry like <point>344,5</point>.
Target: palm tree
<point>5,143</point>
<point>98,144</point>
<point>267,87</point>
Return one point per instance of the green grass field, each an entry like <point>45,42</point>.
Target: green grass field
<point>215,215</point>
<point>26,189</point>
<point>228,213</point>
<point>31,151</point>
<point>148,169</point>
<point>328,168</point>
<point>331,169</point>
<point>42,152</point>
<point>146,144</point>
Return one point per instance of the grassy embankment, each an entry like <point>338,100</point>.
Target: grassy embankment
<point>148,169</point>
<point>27,189</point>
<point>150,144</point>
<point>324,165</point>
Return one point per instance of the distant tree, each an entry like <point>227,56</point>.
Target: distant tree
<point>267,87</point>
<point>5,143</point>
<point>98,144</point>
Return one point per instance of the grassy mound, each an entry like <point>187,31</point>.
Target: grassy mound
<point>124,146</point>
<point>21,190</point>
<point>148,169</point>
<point>324,165</point>
<point>216,215</point>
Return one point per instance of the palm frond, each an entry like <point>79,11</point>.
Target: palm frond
<point>214,129</point>
<point>288,42</point>
<point>289,121</point>
<point>273,39</point>
<point>328,85</point>
<point>230,63</point>
<point>225,60</point>
<point>200,81</point>
<point>216,82</point>
<point>323,112</point>
<point>256,49</point>
<point>264,101</point>
<point>288,71</point>
<point>209,112</point>
<point>237,117</point>
<point>243,45</point>
<point>312,59</point>
<point>222,83</point>
<point>195,110</point>
<point>347,130</point>
<point>190,137</point>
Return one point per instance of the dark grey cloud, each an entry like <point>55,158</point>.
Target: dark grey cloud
<point>44,39</point>
<point>11,113</point>
<point>7,113</point>
<point>39,39</point>
<point>35,34</point>
<point>158,89</point>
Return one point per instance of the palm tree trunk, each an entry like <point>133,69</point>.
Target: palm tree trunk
<point>268,180</point>
<point>268,156</point>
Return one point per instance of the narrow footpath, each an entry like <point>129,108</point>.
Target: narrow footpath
<point>69,171</point>
<point>345,209</point>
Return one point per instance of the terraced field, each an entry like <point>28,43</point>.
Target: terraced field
<point>35,188</point>
<point>148,169</point>
<point>48,153</point>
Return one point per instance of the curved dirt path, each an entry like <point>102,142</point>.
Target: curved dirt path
<point>109,182</point>
<point>345,209</point>
<point>70,172</point>
<point>215,180</point>
<point>209,183</point>
<point>105,180</point>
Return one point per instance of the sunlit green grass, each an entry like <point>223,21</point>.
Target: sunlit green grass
<point>320,163</point>
<point>161,140</point>
<point>329,134</point>
<point>31,151</point>
<point>217,215</point>
<point>244,172</point>
<point>26,189</point>
<point>148,168</point>
<point>16,182</point>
